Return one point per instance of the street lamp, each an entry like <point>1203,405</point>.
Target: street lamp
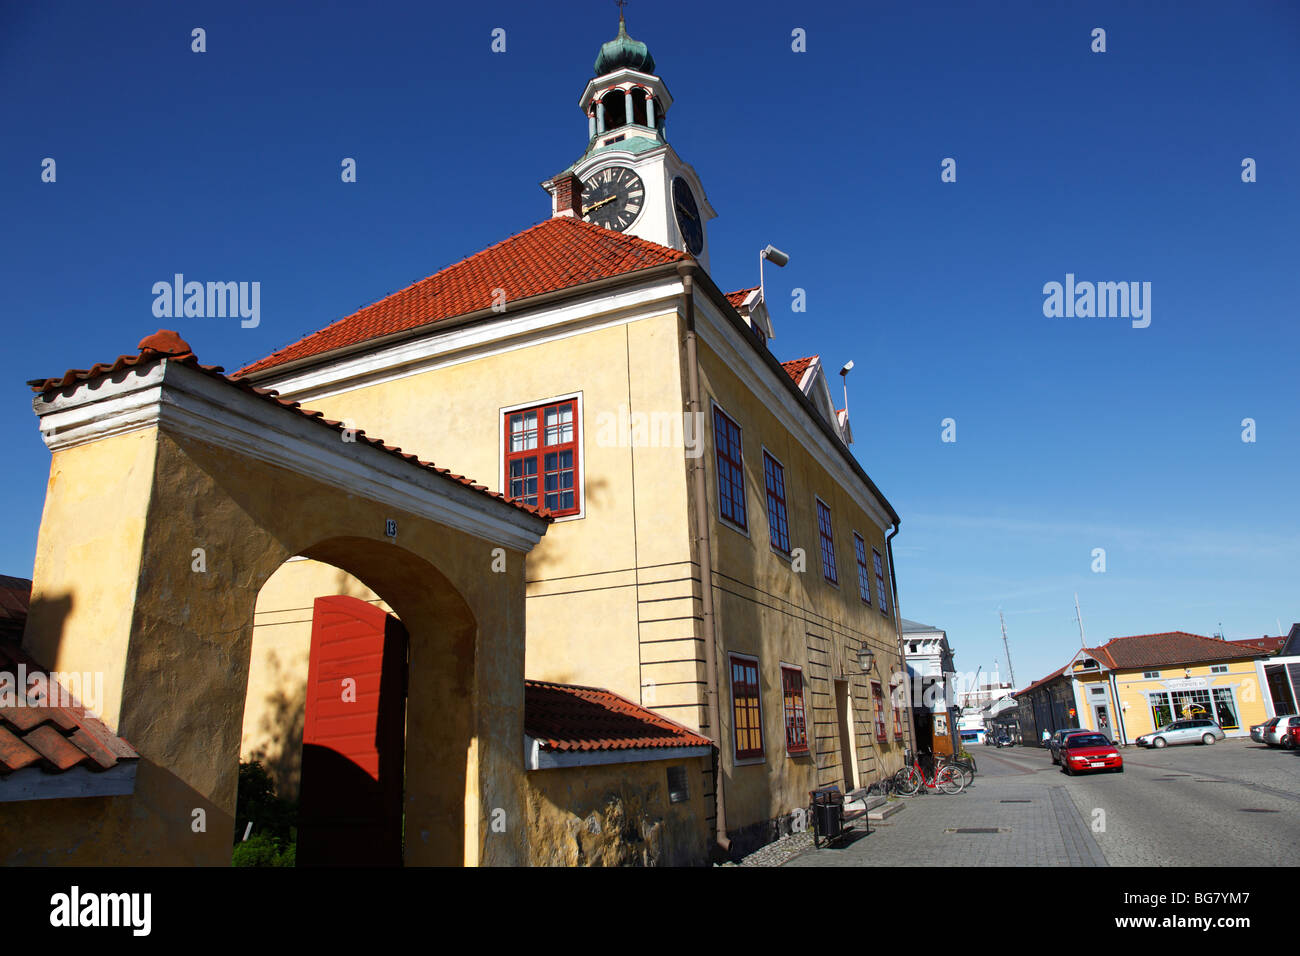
<point>866,658</point>
<point>775,256</point>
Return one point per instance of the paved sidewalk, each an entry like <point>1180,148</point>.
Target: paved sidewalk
<point>1044,830</point>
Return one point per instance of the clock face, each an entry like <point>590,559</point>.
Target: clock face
<point>688,217</point>
<point>613,198</point>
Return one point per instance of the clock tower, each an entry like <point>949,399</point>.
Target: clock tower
<point>629,178</point>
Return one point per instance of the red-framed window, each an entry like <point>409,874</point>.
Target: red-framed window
<point>864,576</point>
<point>541,456</point>
<point>731,474</point>
<point>796,729</point>
<point>880,709</point>
<point>827,535</point>
<point>745,707</point>
<point>881,592</point>
<point>778,528</point>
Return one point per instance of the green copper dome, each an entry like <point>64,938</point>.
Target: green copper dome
<point>623,51</point>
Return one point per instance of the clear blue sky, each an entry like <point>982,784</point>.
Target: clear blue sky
<point>1073,434</point>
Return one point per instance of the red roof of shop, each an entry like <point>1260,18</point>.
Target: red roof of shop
<point>572,718</point>
<point>166,344</point>
<point>1169,647</point>
<point>559,253</point>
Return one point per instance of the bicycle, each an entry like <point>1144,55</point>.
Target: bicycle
<point>965,767</point>
<point>911,780</point>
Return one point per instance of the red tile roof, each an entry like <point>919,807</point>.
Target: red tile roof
<point>35,736</point>
<point>796,367</point>
<point>559,253</point>
<point>166,344</point>
<point>737,298</point>
<point>1267,643</point>
<point>567,717</point>
<point>1170,647</point>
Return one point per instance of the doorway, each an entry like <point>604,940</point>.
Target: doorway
<point>844,717</point>
<point>354,737</point>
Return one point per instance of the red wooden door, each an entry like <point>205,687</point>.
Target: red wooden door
<point>354,734</point>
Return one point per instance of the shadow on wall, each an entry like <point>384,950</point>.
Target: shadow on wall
<point>283,715</point>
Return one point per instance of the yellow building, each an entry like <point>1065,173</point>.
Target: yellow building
<point>1131,686</point>
<point>718,554</point>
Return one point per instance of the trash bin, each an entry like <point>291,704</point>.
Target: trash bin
<point>828,810</point>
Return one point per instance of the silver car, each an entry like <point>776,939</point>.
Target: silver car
<point>1277,732</point>
<point>1193,730</point>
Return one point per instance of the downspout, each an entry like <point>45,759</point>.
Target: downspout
<point>704,548</point>
<point>898,632</point>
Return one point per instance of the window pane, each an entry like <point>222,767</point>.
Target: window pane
<point>523,431</point>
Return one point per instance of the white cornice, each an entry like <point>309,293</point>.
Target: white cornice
<point>536,758</point>
<point>739,355</point>
<point>194,404</point>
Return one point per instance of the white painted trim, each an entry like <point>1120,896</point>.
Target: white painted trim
<point>535,758</point>
<point>191,403</point>
<point>36,784</point>
<point>578,423</point>
<point>743,361</point>
<point>436,349</point>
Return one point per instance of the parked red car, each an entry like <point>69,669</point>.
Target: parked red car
<point>1086,752</point>
<point>1295,737</point>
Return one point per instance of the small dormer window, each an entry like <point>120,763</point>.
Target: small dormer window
<point>758,331</point>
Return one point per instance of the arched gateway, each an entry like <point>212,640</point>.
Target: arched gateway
<point>175,492</point>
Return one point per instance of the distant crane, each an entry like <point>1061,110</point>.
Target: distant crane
<point>1006,646</point>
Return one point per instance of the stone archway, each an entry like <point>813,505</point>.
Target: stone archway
<point>175,493</point>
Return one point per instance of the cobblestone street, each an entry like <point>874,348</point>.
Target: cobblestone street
<point>1181,806</point>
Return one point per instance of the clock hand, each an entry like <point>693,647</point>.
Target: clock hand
<point>687,211</point>
<point>609,199</point>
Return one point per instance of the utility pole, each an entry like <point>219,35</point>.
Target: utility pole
<point>1078,616</point>
<point>1007,648</point>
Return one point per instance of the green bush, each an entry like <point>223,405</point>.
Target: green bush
<point>257,803</point>
<point>263,850</point>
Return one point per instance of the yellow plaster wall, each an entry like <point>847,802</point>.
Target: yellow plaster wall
<point>188,641</point>
<point>585,577</point>
<point>92,529</point>
<point>770,611</point>
<point>617,815</point>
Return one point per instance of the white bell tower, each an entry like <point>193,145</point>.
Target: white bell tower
<point>630,178</point>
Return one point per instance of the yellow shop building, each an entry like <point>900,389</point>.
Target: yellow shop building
<point>1131,686</point>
